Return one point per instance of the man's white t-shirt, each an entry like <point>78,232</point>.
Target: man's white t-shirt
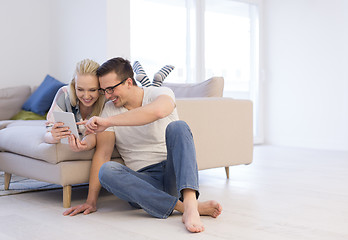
<point>141,146</point>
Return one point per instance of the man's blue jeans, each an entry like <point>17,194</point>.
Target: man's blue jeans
<point>157,188</point>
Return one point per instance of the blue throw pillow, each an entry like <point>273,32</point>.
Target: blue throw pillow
<point>40,101</point>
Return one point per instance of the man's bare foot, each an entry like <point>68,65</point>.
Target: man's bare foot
<point>209,208</point>
<point>191,217</point>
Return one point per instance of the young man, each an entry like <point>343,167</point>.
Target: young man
<point>160,173</point>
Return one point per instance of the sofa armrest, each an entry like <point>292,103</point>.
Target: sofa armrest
<point>222,129</point>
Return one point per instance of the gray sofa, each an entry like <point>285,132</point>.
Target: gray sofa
<point>222,130</point>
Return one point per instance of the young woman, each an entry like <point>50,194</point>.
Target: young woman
<point>80,97</point>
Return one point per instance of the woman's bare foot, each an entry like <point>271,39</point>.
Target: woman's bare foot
<point>191,217</point>
<point>209,208</point>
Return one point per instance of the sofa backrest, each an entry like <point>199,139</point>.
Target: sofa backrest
<point>213,87</point>
<point>12,98</point>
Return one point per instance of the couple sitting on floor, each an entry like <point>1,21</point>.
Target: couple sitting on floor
<point>160,173</point>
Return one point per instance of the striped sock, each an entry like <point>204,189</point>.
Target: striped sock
<point>161,75</point>
<point>141,75</point>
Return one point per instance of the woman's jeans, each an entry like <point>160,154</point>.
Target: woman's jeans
<point>157,188</point>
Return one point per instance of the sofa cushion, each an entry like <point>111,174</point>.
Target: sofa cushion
<point>12,99</point>
<point>40,101</point>
<point>28,140</point>
<point>14,123</point>
<point>213,87</point>
<point>5,123</point>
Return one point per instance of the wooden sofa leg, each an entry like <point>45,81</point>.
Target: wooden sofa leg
<point>67,196</point>
<point>7,178</point>
<point>227,170</point>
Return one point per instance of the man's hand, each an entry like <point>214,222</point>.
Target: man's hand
<point>95,124</point>
<point>86,208</point>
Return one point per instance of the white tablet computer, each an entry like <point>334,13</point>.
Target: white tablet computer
<point>68,119</point>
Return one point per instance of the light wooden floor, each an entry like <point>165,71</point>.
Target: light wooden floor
<point>285,193</point>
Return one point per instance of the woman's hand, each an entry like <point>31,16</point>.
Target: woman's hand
<point>59,131</point>
<point>76,145</point>
<point>87,143</point>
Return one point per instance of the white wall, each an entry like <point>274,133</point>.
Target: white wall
<point>306,84</point>
<point>118,29</point>
<point>95,29</point>
<point>78,31</point>
<point>40,37</point>
<point>24,42</point>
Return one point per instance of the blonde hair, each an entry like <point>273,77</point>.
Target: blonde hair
<point>86,67</point>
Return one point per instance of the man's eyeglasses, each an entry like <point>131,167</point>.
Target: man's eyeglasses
<point>110,90</point>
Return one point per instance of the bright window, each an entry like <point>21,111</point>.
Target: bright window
<point>201,38</point>
<point>158,36</point>
<point>227,43</point>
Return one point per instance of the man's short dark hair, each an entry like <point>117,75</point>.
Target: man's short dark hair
<point>118,65</point>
